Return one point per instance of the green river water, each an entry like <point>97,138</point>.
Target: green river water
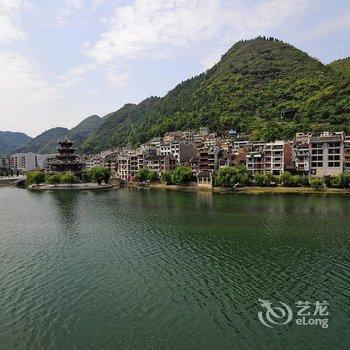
<point>148,269</point>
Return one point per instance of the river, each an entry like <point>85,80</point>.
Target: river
<point>153,269</point>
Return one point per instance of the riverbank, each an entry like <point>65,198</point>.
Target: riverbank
<point>10,181</point>
<point>250,189</point>
<point>86,186</point>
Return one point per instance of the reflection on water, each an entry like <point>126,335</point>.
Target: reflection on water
<point>162,269</point>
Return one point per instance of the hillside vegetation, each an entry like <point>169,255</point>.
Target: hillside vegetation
<point>80,132</point>
<point>47,142</point>
<point>10,141</point>
<point>342,66</point>
<point>264,87</point>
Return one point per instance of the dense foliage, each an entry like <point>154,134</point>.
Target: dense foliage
<point>342,66</point>
<point>182,175</point>
<point>230,176</point>
<point>263,87</point>
<point>237,175</point>
<point>47,142</point>
<point>97,174</point>
<point>80,132</point>
<point>9,141</point>
<point>35,177</point>
<point>143,175</point>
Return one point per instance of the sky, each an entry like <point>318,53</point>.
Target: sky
<point>63,60</point>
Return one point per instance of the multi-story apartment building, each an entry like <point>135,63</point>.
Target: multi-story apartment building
<point>128,165</point>
<point>181,150</point>
<point>93,160</point>
<point>327,153</point>
<point>278,157</point>
<point>241,144</point>
<point>255,162</point>
<point>211,158</point>
<point>346,158</point>
<point>301,154</point>
<point>4,162</point>
<point>24,161</point>
<point>272,157</point>
<point>160,163</point>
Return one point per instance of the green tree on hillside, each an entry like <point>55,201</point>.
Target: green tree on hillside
<point>36,177</point>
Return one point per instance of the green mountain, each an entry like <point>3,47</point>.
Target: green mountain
<point>263,87</point>
<point>10,141</point>
<point>80,132</point>
<point>47,142</point>
<point>342,66</point>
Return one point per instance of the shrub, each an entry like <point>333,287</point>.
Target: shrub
<point>152,175</point>
<point>264,179</point>
<point>69,178</point>
<point>166,177</point>
<point>53,179</point>
<point>316,182</point>
<point>142,175</point>
<point>229,176</point>
<point>35,177</point>
<point>99,174</point>
<point>181,175</point>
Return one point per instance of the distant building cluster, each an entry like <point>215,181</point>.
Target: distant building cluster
<point>311,154</point>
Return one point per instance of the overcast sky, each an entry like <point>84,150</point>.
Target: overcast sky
<point>61,61</point>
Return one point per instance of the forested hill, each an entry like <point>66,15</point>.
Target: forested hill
<point>47,142</point>
<point>80,132</point>
<point>10,141</point>
<point>342,66</point>
<point>263,86</point>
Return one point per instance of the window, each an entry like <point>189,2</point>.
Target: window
<point>333,164</point>
<point>317,151</point>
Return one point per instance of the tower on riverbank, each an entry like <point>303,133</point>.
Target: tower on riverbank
<point>66,160</point>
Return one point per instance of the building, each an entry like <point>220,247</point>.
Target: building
<point>327,153</point>
<point>301,154</point>
<point>160,163</point>
<point>346,158</point>
<point>205,178</point>
<point>66,160</point>
<point>211,159</point>
<point>182,151</point>
<point>24,161</point>
<point>277,157</point>
<point>272,157</point>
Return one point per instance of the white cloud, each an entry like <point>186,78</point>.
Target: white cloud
<point>66,10</point>
<point>22,83</point>
<point>117,80</point>
<point>329,26</point>
<point>10,12</point>
<point>153,26</point>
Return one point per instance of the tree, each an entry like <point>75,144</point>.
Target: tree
<point>69,178</point>
<point>316,182</point>
<point>166,177</point>
<point>288,180</point>
<point>99,174</point>
<point>229,176</point>
<point>53,179</point>
<point>181,175</point>
<point>35,177</point>
<point>152,175</point>
<point>142,175</point>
